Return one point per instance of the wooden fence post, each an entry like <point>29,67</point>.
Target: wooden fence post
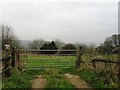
<point>78,60</point>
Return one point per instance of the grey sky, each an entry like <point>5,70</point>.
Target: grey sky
<point>67,21</point>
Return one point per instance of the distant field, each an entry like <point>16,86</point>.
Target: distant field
<point>50,61</point>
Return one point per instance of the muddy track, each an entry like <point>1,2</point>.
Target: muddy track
<point>39,82</point>
<point>76,81</point>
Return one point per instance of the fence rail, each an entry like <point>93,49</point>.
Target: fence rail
<point>94,60</point>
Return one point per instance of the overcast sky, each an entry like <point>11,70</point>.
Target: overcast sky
<point>69,21</point>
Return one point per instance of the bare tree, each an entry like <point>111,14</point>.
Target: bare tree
<point>36,44</point>
<point>59,43</point>
<point>8,37</point>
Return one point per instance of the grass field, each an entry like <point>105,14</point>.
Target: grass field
<point>49,61</point>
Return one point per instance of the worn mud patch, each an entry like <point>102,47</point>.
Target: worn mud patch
<point>39,82</point>
<point>76,81</point>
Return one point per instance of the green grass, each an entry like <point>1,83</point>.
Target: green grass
<point>97,80</point>
<point>55,78</point>
<point>54,73</point>
<point>50,61</point>
<point>19,79</point>
<point>94,79</point>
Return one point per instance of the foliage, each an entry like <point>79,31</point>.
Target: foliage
<point>115,40</point>
<point>87,49</point>
<point>95,79</point>
<point>38,43</point>
<point>17,80</point>
<point>68,47</point>
<point>50,46</point>
<point>106,48</point>
<point>110,44</point>
<point>84,47</point>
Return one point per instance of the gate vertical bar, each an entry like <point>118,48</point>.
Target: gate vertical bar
<point>79,59</point>
<point>13,57</point>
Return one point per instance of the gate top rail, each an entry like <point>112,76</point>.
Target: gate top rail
<point>46,50</point>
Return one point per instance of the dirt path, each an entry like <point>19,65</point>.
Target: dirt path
<point>76,81</point>
<point>39,82</point>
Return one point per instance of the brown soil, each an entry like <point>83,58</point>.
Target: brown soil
<point>39,82</point>
<point>76,81</point>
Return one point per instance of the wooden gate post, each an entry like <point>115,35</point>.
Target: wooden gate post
<point>17,59</point>
<point>13,57</point>
<point>6,61</point>
<point>78,60</point>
